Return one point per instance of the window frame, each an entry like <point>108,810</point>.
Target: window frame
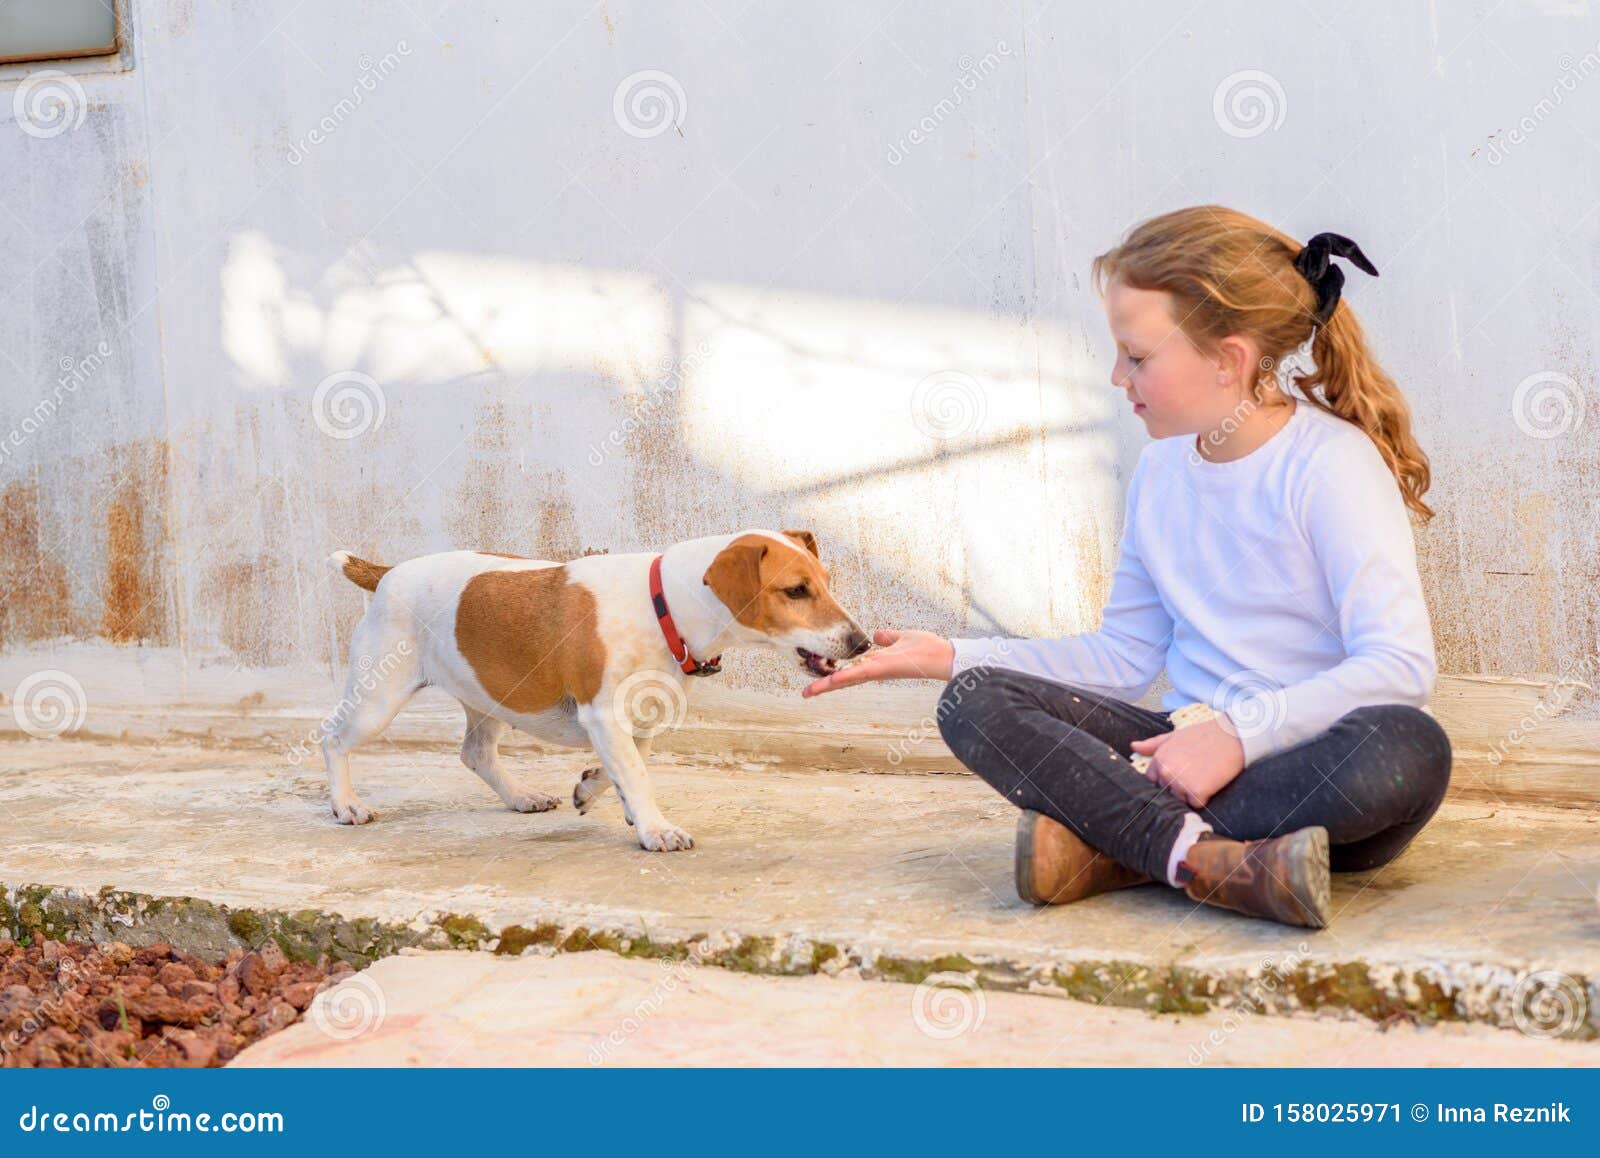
<point>114,50</point>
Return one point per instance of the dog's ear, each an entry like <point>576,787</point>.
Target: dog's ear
<point>735,574</point>
<point>806,539</point>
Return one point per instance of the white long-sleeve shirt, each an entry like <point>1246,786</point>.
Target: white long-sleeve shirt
<point>1280,588</point>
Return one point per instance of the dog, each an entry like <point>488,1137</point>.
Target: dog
<point>591,652</point>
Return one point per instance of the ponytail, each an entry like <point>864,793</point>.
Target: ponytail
<point>1348,382</point>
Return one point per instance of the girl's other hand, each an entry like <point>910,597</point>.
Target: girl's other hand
<point>1193,763</point>
<point>899,655</point>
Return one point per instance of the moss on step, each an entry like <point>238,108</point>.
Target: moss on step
<point>514,939</point>
<point>916,972</point>
<point>464,932</point>
<point>1483,993</point>
<point>204,927</point>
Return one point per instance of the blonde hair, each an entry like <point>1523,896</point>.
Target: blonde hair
<point>1230,274</point>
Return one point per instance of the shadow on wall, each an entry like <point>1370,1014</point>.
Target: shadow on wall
<point>955,474</point>
<point>958,467</point>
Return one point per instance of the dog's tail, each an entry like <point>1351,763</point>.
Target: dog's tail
<point>358,571</point>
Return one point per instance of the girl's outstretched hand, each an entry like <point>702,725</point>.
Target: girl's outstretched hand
<point>1193,763</point>
<point>899,655</point>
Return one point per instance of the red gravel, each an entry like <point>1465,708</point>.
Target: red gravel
<point>73,1003</point>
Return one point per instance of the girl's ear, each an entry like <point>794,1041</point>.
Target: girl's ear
<point>1236,361</point>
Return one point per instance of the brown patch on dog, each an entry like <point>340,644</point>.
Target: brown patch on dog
<point>531,637</point>
<point>34,601</point>
<point>751,576</point>
<point>363,573</point>
<point>806,539</point>
<point>500,554</point>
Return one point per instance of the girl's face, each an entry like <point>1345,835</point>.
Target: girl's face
<point>1168,381</point>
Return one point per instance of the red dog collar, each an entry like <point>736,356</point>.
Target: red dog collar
<point>675,644</point>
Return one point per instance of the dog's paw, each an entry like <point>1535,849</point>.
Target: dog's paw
<point>352,811</point>
<point>664,837</point>
<point>589,788</point>
<point>525,801</point>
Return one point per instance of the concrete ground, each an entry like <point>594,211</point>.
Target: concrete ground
<point>795,871</point>
<point>597,1009</point>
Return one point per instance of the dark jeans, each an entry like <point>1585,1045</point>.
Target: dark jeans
<point>1373,779</point>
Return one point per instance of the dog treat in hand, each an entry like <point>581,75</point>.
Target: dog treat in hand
<point>1182,718</point>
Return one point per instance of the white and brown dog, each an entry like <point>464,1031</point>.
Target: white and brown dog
<point>589,652</point>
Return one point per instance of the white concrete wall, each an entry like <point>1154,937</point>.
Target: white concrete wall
<point>847,290</point>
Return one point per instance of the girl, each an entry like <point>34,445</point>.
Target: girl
<point>1266,562</point>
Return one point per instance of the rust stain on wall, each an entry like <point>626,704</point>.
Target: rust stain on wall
<point>556,536</point>
<point>117,562</point>
<point>232,598</point>
<point>1577,583</point>
<point>35,600</point>
<point>245,601</point>
<point>372,517</point>
<point>126,595</point>
<point>1088,565</point>
<point>1510,565</point>
<point>1533,523</point>
<point>500,506</point>
<point>480,513</point>
<point>134,590</point>
<point>1447,587</point>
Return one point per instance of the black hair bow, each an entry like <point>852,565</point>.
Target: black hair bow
<point>1316,265</point>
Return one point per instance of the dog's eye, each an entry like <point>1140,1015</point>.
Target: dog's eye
<point>796,592</point>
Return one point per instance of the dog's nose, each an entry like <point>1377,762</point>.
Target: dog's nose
<point>859,643</point>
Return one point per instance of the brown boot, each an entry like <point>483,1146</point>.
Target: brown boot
<point>1055,867</point>
<point>1283,879</point>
